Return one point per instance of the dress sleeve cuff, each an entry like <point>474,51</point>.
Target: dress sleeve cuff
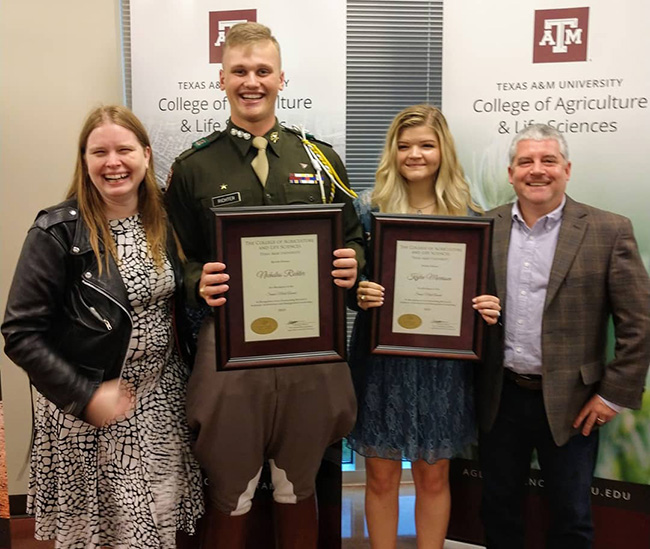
<point>611,405</point>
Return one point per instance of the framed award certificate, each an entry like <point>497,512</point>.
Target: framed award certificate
<point>431,268</point>
<point>282,307</point>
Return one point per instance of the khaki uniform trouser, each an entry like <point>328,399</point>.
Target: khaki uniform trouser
<point>287,415</point>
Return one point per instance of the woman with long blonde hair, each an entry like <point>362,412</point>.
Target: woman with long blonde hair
<point>415,409</point>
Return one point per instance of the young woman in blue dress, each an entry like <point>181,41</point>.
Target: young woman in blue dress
<point>416,409</point>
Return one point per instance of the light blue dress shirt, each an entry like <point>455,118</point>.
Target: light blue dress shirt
<point>530,258</point>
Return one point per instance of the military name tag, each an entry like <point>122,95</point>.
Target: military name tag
<point>226,199</point>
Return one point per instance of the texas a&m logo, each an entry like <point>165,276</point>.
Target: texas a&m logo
<point>220,23</point>
<point>560,35</point>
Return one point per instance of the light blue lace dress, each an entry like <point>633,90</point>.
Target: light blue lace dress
<point>409,408</point>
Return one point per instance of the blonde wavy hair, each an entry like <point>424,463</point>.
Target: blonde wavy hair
<point>451,189</point>
<point>91,204</point>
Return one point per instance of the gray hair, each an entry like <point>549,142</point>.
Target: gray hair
<point>539,132</point>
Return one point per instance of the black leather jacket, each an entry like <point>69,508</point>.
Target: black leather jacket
<point>68,326</point>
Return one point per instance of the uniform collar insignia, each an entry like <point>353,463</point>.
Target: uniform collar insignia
<point>240,138</point>
<point>274,137</point>
<point>244,139</point>
<point>235,132</point>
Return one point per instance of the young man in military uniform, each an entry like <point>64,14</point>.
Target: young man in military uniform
<point>286,415</point>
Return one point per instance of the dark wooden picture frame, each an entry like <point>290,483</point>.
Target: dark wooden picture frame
<point>233,224</point>
<point>475,233</point>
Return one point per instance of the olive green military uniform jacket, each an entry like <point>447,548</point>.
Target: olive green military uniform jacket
<point>217,172</point>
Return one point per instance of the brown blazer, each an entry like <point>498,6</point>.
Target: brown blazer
<point>597,274</point>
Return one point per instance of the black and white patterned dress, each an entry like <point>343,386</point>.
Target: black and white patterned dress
<point>135,482</point>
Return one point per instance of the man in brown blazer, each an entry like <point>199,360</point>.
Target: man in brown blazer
<point>562,269</point>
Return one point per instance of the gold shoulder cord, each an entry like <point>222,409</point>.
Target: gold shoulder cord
<point>320,162</point>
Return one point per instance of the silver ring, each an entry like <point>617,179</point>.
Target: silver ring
<point>600,420</point>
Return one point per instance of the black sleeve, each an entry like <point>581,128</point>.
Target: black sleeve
<point>34,305</point>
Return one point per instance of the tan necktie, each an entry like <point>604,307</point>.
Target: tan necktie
<point>261,163</point>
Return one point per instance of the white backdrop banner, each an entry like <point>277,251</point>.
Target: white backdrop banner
<point>581,69</point>
<point>176,57</point>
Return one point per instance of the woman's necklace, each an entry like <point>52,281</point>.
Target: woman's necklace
<point>418,211</point>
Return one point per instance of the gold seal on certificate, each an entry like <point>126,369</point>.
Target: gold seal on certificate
<point>264,325</point>
<point>409,321</point>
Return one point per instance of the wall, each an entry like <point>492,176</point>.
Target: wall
<point>57,60</point>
